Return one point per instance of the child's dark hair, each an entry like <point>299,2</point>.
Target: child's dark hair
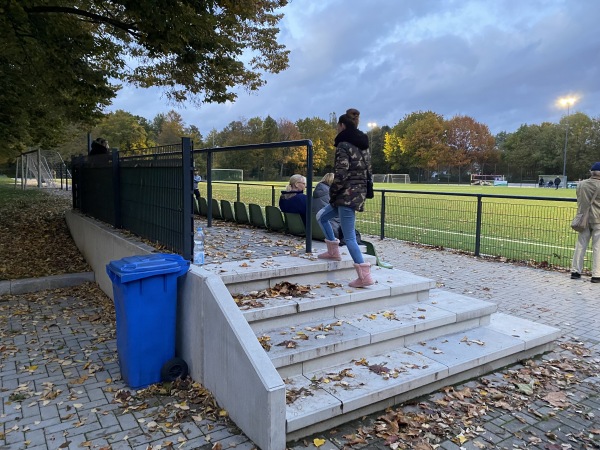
<point>347,121</point>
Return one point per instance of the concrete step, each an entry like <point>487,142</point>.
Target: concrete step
<point>257,274</point>
<point>345,352</point>
<point>297,348</point>
<point>333,297</point>
<point>324,397</point>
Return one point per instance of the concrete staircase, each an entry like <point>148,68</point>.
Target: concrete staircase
<point>344,352</point>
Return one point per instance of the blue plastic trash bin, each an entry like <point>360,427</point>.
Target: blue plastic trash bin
<point>145,297</point>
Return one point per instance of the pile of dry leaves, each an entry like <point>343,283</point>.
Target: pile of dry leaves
<point>35,240</point>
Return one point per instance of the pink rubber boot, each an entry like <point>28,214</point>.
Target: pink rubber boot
<point>333,251</point>
<point>364,276</point>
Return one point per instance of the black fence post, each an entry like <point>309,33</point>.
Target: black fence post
<point>272,195</point>
<point>187,167</point>
<point>238,192</point>
<point>209,157</point>
<point>382,231</point>
<point>309,179</point>
<point>478,226</point>
<point>74,182</point>
<point>116,178</point>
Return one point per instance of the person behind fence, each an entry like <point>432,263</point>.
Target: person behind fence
<point>99,147</point>
<point>586,190</point>
<point>541,182</point>
<point>347,194</point>
<point>293,199</point>
<point>557,182</point>
<point>321,200</point>
<point>197,179</point>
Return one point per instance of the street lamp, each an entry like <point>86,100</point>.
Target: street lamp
<point>568,102</point>
<point>371,125</point>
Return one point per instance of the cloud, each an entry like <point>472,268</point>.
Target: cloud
<point>504,63</point>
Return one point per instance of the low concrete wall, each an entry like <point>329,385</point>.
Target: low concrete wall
<point>225,356</point>
<point>213,337</point>
<point>26,285</point>
<point>100,243</point>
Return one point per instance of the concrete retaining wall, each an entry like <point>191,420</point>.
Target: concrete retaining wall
<point>100,243</point>
<point>213,337</point>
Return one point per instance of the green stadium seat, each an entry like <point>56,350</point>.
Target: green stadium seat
<point>257,218</point>
<point>317,233</point>
<point>203,207</point>
<point>294,224</point>
<point>241,214</point>
<point>274,218</point>
<point>371,251</point>
<point>216,209</point>
<point>227,211</point>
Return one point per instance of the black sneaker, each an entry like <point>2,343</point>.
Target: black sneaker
<point>576,276</point>
<point>595,280</point>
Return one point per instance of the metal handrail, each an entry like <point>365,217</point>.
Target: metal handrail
<point>309,178</point>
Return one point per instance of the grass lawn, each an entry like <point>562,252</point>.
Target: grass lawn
<point>9,195</point>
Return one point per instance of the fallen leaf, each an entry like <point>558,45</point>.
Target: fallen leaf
<point>318,442</point>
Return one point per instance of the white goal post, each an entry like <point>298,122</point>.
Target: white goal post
<point>548,180</point>
<point>487,180</point>
<point>402,178</point>
<point>227,174</point>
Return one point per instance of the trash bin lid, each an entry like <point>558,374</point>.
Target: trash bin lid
<point>132,268</point>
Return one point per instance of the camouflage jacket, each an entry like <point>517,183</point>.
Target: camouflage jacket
<point>349,187</point>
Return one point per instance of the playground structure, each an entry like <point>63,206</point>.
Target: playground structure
<point>487,180</point>
<point>402,178</point>
<point>41,168</point>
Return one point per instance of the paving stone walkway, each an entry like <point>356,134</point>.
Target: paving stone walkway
<point>60,385</point>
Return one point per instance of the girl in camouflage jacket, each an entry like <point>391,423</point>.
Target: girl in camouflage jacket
<point>347,195</point>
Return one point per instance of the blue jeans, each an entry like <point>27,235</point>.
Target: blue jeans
<point>347,219</point>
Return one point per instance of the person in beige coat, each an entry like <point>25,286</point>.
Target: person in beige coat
<point>585,193</point>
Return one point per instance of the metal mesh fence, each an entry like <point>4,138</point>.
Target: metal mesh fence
<point>143,191</point>
<point>531,230</point>
<point>261,194</point>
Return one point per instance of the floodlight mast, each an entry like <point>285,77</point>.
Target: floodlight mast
<point>568,102</point>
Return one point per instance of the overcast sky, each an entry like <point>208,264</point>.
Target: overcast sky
<point>502,62</point>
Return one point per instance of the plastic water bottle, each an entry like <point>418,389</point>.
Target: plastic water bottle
<point>199,247</point>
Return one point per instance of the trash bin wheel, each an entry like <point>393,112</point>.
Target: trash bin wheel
<point>173,369</point>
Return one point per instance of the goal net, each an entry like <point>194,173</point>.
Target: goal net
<point>548,180</point>
<point>391,178</point>
<point>486,180</point>
<point>227,174</point>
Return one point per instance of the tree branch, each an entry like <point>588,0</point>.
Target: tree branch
<point>131,29</point>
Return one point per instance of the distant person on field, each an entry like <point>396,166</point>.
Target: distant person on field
<point>197,179</point>
<point>541,183</point>
<point>557,182</point>
<point>585,192</point>
<point>99,147</point>
<point>293,199</point>
<point>321,200</point>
